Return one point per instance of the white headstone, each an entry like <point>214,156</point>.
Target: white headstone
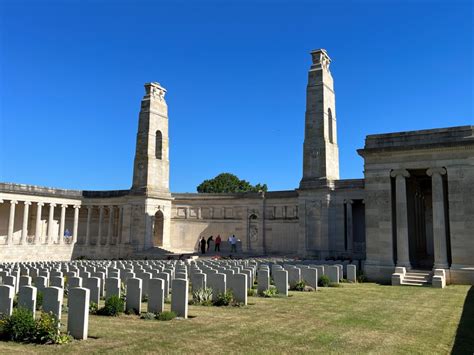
<point>156,295</point>
<point>280,276</point>
<point>112,287</point>
<point>53,300</point>
<point>78,312</point>
<point>238,285</point>
<point>179,297</point>
<point>27,298</point>
<point>7,293</point>
<point>134,295</point>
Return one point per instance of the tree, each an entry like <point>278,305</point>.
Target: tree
<point>228,183</point>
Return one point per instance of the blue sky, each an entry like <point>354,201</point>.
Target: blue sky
<point>72,75</point>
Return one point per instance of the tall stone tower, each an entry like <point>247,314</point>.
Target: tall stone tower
<point>320,151</point>
<point>151,166</point>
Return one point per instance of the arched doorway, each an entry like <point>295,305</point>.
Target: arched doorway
<point>158,229</point>
<point>252,235</point>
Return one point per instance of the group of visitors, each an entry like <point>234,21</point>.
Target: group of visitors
<point>205,244</point>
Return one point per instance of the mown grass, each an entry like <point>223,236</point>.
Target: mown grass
<point>354,318</point>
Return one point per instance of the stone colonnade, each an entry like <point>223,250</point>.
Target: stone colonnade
<point>38,237</point>
<point>109,229</point>
<point>439,222</point>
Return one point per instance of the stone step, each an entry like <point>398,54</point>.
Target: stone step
<point>418,277</point>
<point>414,283</point>
<point>409,279</point>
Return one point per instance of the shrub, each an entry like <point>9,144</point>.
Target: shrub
<point>166,315</point>
<point>223,299</point>
<point>47,329</point>
<point>20,326</point>
<point>148,316</point>
<point>203,297</point>
<point>299,286</point>
<point>93,308</point>
<point>39,301</point>
<point>251,292</point>
<point>113,307</point>
<point>271,292</point>
<point>324,281</point>
<point>361,278</point>
<point>132,311</point>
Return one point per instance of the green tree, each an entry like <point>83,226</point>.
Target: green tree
<point>228,183</point>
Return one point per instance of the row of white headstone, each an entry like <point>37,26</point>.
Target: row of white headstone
<point>88,281</point>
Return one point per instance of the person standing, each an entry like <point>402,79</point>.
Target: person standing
<point>209,240</point>
<point>233,244</point>
<point>203,245</point>
<point>217,246</point>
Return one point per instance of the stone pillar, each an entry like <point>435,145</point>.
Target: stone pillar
<point>439,222</point>
<point>88,226</point>
<point>119,227</point>
<point>75,225</point>
<point>61,224</point>
<point>110,224</point>
<point>50,223</point>
<point>38,223</point>
<point>101,217</point>
<point>403,257</point>
<point>24,229</point>
<point>11,222</point>
<point>349,221</point>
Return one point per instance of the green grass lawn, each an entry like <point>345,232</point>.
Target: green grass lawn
<point>349,319</point>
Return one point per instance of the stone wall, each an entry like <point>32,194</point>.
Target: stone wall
<point>265,223</point>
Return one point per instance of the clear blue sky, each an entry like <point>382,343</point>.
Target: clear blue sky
<point>72,75</point>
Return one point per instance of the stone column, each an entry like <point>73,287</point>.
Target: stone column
<point>101,217</point>
<point>349,232</point>
<point>110,225</point>
<point>403,256</point>
<point>88,225</point>
<point>439,222</point>
<point>11,222</point>
<point>61,224</point>
<point>119,227</point>
<point>38,223</point>
<point>75,225</point>
<point>24,228</point>
<point>50,223</point>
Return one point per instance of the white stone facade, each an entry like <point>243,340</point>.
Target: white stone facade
<point>413,209</point>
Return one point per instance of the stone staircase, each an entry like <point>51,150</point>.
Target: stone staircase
<point>412,277</point>
<point>417,278</point>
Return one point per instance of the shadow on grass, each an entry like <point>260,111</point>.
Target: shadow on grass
<point>464,342</point>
